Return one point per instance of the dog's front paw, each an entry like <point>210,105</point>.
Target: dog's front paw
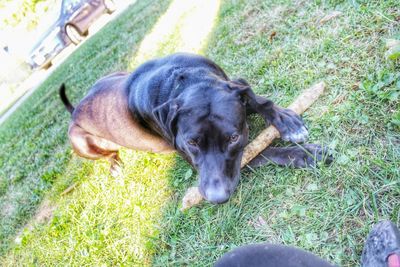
<point>116,169</point>
<point>309,154</point>
<point>290,125</point>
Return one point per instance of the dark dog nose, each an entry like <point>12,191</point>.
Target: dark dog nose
<point>217,195</point>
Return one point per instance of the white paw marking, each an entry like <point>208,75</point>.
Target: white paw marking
<point>299,136</point>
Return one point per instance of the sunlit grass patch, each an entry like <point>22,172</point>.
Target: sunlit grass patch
<point>105,220</point>
<point>185,27</point>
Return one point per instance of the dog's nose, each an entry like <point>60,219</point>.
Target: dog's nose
<point>217,195</point>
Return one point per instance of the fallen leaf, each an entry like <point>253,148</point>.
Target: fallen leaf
<point>339,99</point>
<point>330,16</point>
<point>272,36</point>
<point>258,223</point>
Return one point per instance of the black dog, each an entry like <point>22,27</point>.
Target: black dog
<point>186,103</point>
<point>270,255</point>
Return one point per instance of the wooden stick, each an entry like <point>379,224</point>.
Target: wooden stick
<point>263,140</point>
<point>267,136</point>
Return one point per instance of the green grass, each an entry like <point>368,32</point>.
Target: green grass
<point>136,220</point>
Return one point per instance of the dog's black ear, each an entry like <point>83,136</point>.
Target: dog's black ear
<point>239,82</point>
<point>166,116</point>
<point>242,89</point>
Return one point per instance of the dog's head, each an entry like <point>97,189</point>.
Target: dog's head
<point>208,127</point>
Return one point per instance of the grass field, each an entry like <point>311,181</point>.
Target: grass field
<point>280,47</point>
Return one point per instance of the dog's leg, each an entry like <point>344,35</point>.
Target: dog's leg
<point>289,124</point>
<point>295,156</point>
<point>90,146</point>
<point>115,165</point>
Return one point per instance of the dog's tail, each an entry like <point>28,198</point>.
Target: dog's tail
<point>65,100</point>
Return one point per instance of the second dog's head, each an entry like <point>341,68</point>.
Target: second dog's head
<point>207,125</point>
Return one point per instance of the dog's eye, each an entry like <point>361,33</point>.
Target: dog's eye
<point>192,142</point>
<point>233,138</point>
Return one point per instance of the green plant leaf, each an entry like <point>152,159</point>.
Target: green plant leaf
<point>393,53</point>
<point>188,174</point>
